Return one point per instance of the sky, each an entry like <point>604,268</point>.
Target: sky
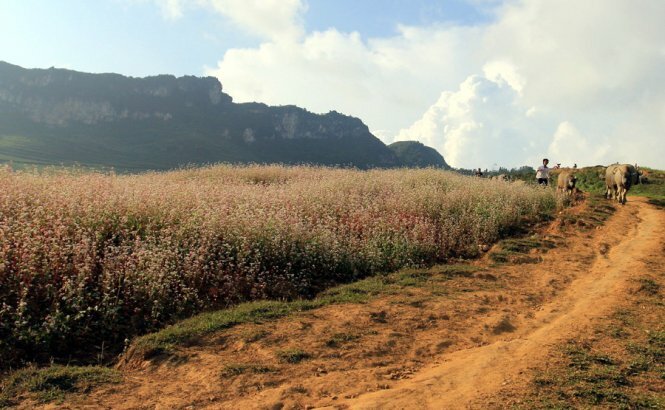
<point>488,83</point>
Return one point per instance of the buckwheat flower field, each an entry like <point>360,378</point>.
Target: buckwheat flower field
<point>87,257</point>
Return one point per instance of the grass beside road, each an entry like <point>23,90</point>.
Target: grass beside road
<point>53,383</point>
<point>194,329</point>
<point>653,189</point>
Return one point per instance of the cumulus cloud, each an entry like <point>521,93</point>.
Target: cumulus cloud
<point>275,20</point>
<point>568,143</point>
<point>577,81</point>
<point>506,72</point>
<point>388,82</point>
<point>597,65</point>
<point>482,124</point>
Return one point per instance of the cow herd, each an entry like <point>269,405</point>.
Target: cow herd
<point>618,180</point>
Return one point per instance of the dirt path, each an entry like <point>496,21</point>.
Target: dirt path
<point>470,375</point>
<point>443,342</point>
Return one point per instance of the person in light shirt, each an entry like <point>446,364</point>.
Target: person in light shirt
<point>543,173</point>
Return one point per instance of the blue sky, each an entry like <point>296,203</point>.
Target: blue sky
<point>134,37</point>
<point>111,36</point>
<point>485,82</point>
<point>374,18</point>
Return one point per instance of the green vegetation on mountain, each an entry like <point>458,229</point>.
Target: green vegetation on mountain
<point>56,116</point>
<point>415,154</point>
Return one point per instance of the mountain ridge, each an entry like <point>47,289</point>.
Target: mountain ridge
<point>60,116</point>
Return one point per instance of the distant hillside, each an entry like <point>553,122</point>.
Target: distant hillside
<point>415,154</point>
<point>54,116</point>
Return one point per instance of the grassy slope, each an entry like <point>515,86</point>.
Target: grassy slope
<point>654,189</point>
<point>189,330</point>
<point>52,383</point>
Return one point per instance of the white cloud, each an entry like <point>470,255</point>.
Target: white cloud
<point>508,92</point>
<point>171,9</point>
<point>482,124</point>
<point>594,64</point>
<point>504,71</point>
<point>568,144</point>
<point>388,82</point>
<point>275,20</point>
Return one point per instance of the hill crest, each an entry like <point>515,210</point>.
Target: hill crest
<point>59,116</point>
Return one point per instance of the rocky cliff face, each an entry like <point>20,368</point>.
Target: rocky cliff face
<point>63,116</point>
<point>61,97</point>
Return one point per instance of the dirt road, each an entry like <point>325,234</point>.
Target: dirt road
<point>468,376</point>
<point>443,342</point>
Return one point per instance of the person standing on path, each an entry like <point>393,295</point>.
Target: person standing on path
<point>543,173</point>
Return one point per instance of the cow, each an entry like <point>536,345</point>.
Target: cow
<point>610,188</point>
<point>566,181</point>
<point>619,179</point>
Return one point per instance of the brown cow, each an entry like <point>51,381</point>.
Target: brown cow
<point>565,182</point>
<point>619,179</point>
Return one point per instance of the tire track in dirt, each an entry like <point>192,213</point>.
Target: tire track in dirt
<point>467,377</point>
